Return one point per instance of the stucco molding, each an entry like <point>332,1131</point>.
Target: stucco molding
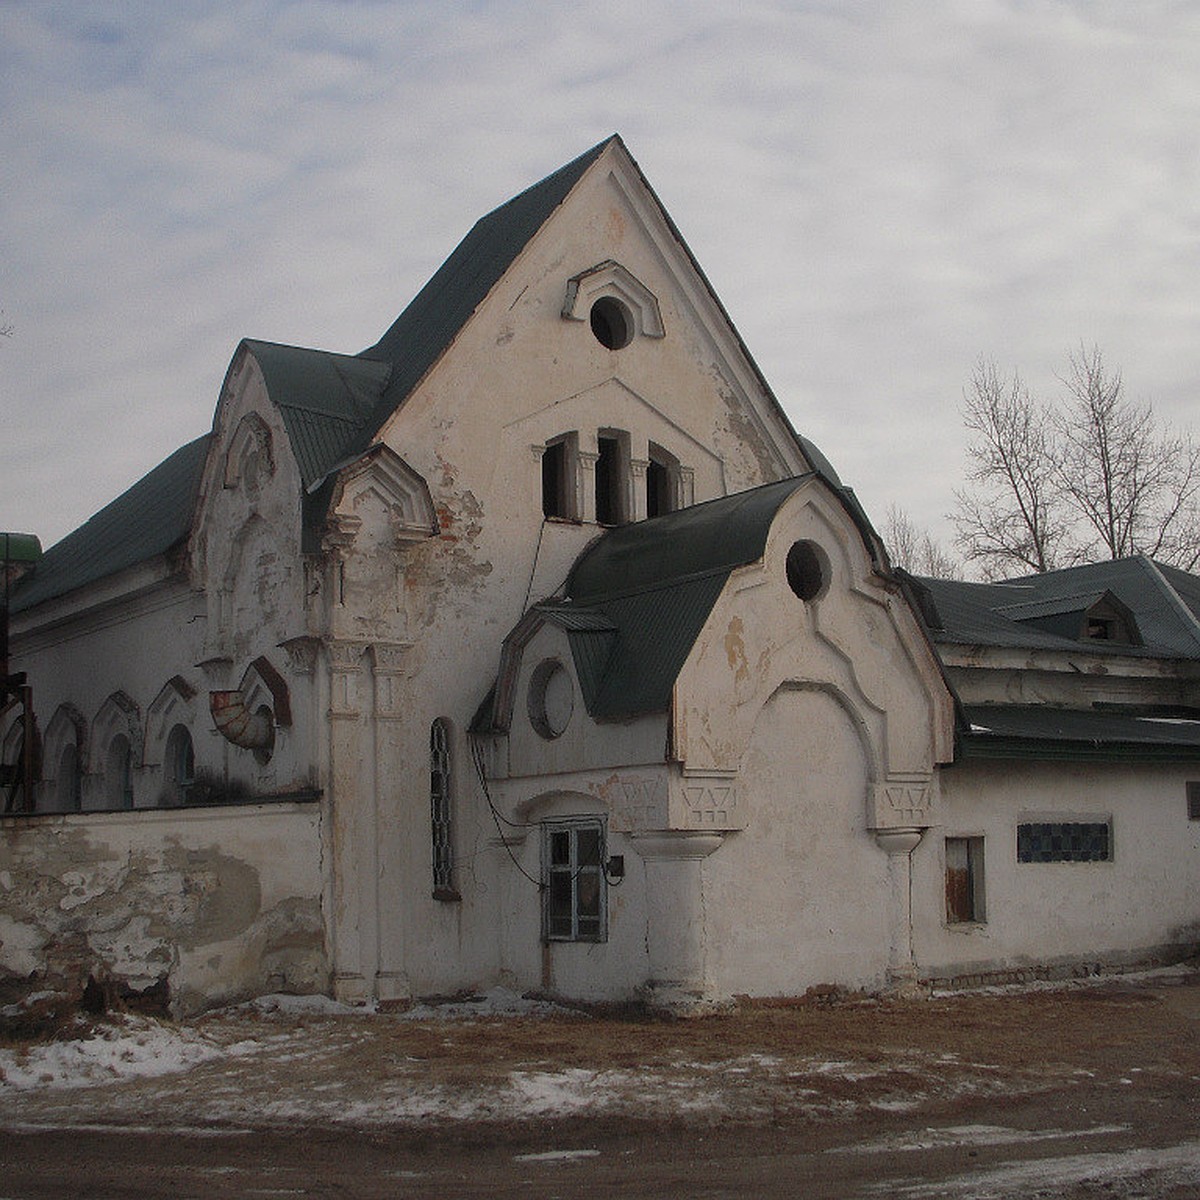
<point>609,278</point>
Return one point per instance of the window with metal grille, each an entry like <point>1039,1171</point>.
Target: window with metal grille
<point>441,811</point>
<point>1064,841</point>
<point>574,893</point>
<point>964,880</point>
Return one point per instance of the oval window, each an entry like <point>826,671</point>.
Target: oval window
<point>612,323</point>
<point>551,698</point>
<point>807,570</point>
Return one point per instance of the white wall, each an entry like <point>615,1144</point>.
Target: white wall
<point>1145,899</point>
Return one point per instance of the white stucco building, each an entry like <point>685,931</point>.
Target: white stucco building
<point>533,644</point>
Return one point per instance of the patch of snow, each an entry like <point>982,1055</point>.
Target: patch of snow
<point>1166,1167</point>
<point>959,1136</point>
<point>496,1002</point>
<point>125,1048</point>
<point>556,1156</point>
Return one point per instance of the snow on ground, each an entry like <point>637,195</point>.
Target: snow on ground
<point>126,1047</point>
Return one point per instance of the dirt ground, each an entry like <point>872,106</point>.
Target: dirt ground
<point>1083,1091</point>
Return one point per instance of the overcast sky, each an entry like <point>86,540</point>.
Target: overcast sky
<point>879,192</point>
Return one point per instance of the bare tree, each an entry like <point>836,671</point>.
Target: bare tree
<point>916,549</point>
<point>1014,516</point>
<point>1096,477</point>
<point>1135,485</point>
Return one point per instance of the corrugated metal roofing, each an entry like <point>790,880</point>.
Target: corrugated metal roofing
<point>996,731</point>
<point>326,401</point>
<point>149,519</point>
<point>639,596</point>
<point>717,535</point>
<point>1159,598</point>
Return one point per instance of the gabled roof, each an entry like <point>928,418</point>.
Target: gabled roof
<point>326,401</point>
<point>1163,601</point>
<point>151,518</point>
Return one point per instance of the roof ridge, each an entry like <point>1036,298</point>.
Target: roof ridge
<point>1190,621</point>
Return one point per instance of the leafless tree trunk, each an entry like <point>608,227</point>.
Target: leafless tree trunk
<point>1014,516</point>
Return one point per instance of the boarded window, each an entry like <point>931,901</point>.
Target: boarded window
<point>574,886</point>
<point>964,880</point>
<point>1064,841</point>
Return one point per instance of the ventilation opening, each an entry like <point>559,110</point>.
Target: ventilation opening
<point>807,570</point>
<point>610,476</point>
<point>612,323</point>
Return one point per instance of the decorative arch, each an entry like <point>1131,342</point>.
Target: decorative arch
<point>610,281</point>
<point>250,457</point>
<point>65,759</point>
<point>172,706</point>
<point>115,743</point>
<point>383,478</point>
<point>117,715</point>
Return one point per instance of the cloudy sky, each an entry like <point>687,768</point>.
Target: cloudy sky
<point>880,192</point>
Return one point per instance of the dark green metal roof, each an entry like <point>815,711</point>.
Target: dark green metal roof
<point>427,327</point>
<point>151,518</point>
<point>717,535</point>
<point>1164,604</point>
<point>1041,732</point>
<point>639,596</point>
<point>327,401</point>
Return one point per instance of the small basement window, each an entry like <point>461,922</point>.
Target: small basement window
<point>1064,841</point>
<point>964,880</point>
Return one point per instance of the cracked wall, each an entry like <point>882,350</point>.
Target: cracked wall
<point>219,905</point>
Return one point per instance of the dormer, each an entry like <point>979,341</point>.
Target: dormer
<point>1087,617</point>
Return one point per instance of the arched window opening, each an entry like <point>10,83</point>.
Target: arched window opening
<point>118,774</point>
<point>70,782</point>
<point>180,764</point>
<point>441,811</point>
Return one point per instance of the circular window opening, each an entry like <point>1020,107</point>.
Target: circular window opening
<point>612,323</point>
<point>551,698</point>
<point>807,570</point>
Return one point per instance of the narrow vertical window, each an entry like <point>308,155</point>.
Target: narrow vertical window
<point>964,880</point>
<point>662,482</point>
<point>119,773</point>
<point>573,883</point>
<point>181,765</point>
<point>558,478</point>
<point>441,811</point>
<point>612,471</point>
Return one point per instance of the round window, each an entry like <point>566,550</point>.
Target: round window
<point>612,323</point>
<point>807,570</point>
<point>551,698</point>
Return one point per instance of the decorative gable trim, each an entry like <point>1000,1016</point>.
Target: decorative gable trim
<point>609,278</point>
<point>382,473</point>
